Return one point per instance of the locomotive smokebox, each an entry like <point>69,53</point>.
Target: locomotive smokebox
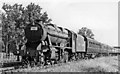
<point>35,32</point>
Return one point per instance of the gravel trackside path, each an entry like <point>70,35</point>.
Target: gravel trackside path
<point>101,64</point>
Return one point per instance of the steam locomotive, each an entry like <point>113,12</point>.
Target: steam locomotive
<point>47,43</point>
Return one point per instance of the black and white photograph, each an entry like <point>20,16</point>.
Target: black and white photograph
<point>38,36</point>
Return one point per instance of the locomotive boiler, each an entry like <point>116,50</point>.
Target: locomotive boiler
<point>39,32</point>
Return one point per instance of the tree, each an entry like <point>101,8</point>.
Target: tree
<point>86,32</point>
<point>45,18</point>
<point>16,18</point>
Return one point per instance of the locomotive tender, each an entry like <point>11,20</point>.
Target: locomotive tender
<point>48,42</point>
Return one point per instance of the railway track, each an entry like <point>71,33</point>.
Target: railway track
<point>10,66</point>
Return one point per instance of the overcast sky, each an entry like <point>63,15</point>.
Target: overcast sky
<point>101,16</point>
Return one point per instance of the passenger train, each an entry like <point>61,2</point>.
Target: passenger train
<point>47,43</point>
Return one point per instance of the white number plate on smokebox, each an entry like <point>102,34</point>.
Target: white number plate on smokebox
<point>34,28</point>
